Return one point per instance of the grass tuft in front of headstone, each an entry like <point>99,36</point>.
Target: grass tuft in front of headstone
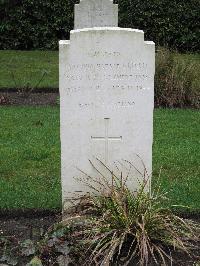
<point>112,225</point>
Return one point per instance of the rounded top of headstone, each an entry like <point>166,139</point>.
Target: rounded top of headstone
<point>107,29</point>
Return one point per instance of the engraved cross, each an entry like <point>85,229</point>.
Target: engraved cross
<point>106,138</point>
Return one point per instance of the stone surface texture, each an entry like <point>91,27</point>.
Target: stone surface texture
<point>95,13</point>
<point>106,103</point>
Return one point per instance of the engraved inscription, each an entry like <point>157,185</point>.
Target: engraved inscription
<point>118,104</point>
<point>105,77</point>
<point>99,89</point>
<point>103,53</point>
<point>132,72</point>
<point>107,66</point>
<point>114,77</point>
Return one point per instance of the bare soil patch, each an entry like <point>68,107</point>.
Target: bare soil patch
<point>24,228</point>
<point>29,99</point>
<point>27,225</point>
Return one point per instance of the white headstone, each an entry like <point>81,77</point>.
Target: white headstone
<point>95,13</point>
<point>106,101</point>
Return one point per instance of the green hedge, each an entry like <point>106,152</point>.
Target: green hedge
<point>172,23</point>
<point>39,24</point>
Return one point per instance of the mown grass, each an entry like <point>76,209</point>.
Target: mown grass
<point>176,153</point>
<point>30,156</point>
<point>19,69</point>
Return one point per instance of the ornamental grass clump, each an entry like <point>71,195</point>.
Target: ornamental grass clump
<point>122,227</point>
<point>176,80</point>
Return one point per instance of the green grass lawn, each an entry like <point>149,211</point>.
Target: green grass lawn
<point>176,154</point>
<point>30,156</point>
<point>19,69</point>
